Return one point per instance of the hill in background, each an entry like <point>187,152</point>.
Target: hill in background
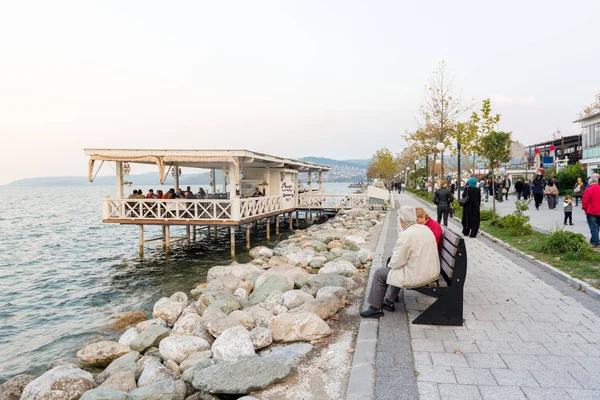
<point>342,171</point>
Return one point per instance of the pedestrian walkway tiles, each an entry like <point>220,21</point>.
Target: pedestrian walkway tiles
<point>521,339</point>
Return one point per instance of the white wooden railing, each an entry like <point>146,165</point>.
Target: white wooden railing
<point>332,201</point>
<point>221,210</point>
<point>251,207</point>
<point>132,209</point>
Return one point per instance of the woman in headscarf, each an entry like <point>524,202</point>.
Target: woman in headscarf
<point>578,191</point>
<point>470,218</point>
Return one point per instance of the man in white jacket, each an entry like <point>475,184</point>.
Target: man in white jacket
<point>415,262</point>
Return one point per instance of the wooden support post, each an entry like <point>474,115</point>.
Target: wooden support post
<point>268,228</point>
<point>247,236</point>
<point>141,240</point>
<point>232,237</point>
<point>291,221</point>
<point>164,239</point>
<point>168,239</point>
<point>187,235</point>
<point>277,224</point>
<point>297,218</point>
<point>215,233</point>
<point>194,234</point>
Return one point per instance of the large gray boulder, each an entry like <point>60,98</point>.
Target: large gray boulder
<point>321,280</point>
<point>241,271</point>
<point>166,389</point>
<point>272,283</point>
<point>298,275</point>
<point>225,301</point>
<point>295,298</point>
<point>154,372</point>
<point>123,381</point>
<point>233,344</point>
<point>261,337</point>
<point>351,257</point>
<point>194,359</point>
<point>215,321</point>
<point>43,383</point>
<point>178,348</point>
<point>100,354</point>
<point>246,319</point>
<point>324,307</point>
<point>293,351</point>
<point>151,336</point>
<point>187,325</point>
<point>170,308</point>
<point>261,251</point>
<point>242,376</point>
<point>12,389</point>
<point>126,363</point>
<point>129,336</point>
<point>339,266</point>
<point>103,393</point>
<point>261,315</point>
<point>300,326</point>
<point>226,284</point>
<point>155,321</point>
<point>332,291</point>
<point>71,387</point>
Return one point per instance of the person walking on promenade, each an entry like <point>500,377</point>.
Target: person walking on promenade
<point>568,208</point>
<point>486,187</point>
<point>414,262</point>
<point>519,188</point>
<point>527,190</point>
<point>443,199</point>
<point>506,186</point>
<point>590,203</point>
<point>551,193</point>
<point>537,188</point>
<point>578,191</point>
<point>471,216</point>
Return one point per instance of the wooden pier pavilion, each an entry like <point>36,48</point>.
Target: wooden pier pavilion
<point>242,172</point>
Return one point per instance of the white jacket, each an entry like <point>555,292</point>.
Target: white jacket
<point>415,261</point>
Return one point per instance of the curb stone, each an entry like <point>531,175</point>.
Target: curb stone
<point>577,284</point>
<point>361,383</point>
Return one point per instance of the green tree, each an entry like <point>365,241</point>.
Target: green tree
<point>440,111</point>
<point>479,125</point>
<point>383,166</point>
<point>495,149</point>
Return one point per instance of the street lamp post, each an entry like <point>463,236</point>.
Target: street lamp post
<point>406,179</point>
<point>416,163</point>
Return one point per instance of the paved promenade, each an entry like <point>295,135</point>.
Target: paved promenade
<point>545,219</point>
<point>526,336</point>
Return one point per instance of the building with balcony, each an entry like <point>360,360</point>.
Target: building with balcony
<point>590,138</point>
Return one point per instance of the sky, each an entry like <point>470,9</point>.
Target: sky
<point>336,79</point>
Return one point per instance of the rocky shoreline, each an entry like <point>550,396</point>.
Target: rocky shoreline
<point>244,330</point>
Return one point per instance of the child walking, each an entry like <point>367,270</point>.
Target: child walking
<point>568,207</point>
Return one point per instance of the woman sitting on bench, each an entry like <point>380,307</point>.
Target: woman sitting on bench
<point>415,262</point>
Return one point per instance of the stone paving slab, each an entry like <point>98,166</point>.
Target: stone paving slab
<point>522,338</point>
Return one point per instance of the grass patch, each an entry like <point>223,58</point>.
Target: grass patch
<point>584,266</point>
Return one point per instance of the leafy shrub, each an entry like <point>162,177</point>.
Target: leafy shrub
<point>559,241</point>
<point>457,209</point>
<point>517,223</point>
<point>486,214</point>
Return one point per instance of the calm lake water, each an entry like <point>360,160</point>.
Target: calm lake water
<point>64,274</point>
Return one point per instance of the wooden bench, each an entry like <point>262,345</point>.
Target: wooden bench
<point>448,289</point>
